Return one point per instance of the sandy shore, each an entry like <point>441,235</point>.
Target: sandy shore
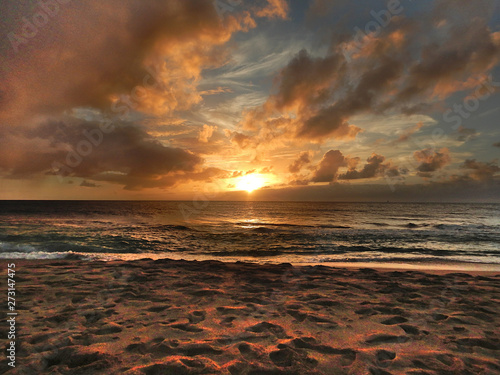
<point>177,317</point>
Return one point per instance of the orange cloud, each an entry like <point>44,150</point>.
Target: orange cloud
<point>274,9</point>
<point>431,160</point>
<point>395,70</point>
<point>409,132</point>
<point>118,56</point>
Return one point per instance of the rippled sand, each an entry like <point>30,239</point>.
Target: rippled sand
<point>178,317</point>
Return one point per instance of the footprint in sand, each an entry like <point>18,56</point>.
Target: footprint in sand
<point>109,329</point>
<point>412,330</point>
<point>287,357</point>
<point>196,317</point>
<point>385,355</point>
<point>275,329</point>
<point>394,320</point>
<point>187,327</point>
<point>227,321</point>
<point>348,355</point>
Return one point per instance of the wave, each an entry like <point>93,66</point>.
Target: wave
<point>6,247</point>
<point>44,255</point>
<point>340,250</point>
<point>286,225</point>
<point>378,224</point>
<point>166,227</point>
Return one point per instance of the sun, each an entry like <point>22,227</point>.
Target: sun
<point>250,182</point>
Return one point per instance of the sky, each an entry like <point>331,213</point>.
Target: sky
<point>329,100</point>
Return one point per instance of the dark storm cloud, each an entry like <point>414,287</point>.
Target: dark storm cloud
<point>431,160</point>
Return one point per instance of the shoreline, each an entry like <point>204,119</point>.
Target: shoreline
<point>440,268</point>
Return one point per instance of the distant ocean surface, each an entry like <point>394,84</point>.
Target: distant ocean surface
<point>295,232</point>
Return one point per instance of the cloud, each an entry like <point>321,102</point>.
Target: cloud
<point>123,54</point>
<point>431,160</point>
<point>139,182</point>
<point>128,155</point>
<point>206,132</point>
<point>85,183</point>
<point>497,144</point>
<point>409,132</point>
<point>399,69</point>
<point>242,140</point>
<point>466,134</point>
<point>303,159</point>
<point>274,9</point>
<point>479,171</point>
<point>320,8</point>
<point>374,167</point>
<point>327,169</point>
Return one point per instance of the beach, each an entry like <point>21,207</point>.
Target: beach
<point>211,317</point>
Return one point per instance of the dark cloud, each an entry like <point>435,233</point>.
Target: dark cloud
<point>85,183</point>
<point>303,159</point>
<point>431,160</point>
<point>328,167</point>
<point>132,182</point>
<point>374,167</point>
<point>90,53</point>
<point>128,155</point>
<point>479,171</point>
<point>408,66</point>
<point>497,144</point>
<point>113,57</point>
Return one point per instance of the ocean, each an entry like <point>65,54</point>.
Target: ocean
<point>276,232</point>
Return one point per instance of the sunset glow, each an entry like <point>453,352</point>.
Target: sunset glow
<point>166,98</point>
<point>250,182</point>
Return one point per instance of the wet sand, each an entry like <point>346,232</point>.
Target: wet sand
<point>178,317</point>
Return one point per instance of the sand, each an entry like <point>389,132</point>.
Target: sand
<point>178,317</point>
